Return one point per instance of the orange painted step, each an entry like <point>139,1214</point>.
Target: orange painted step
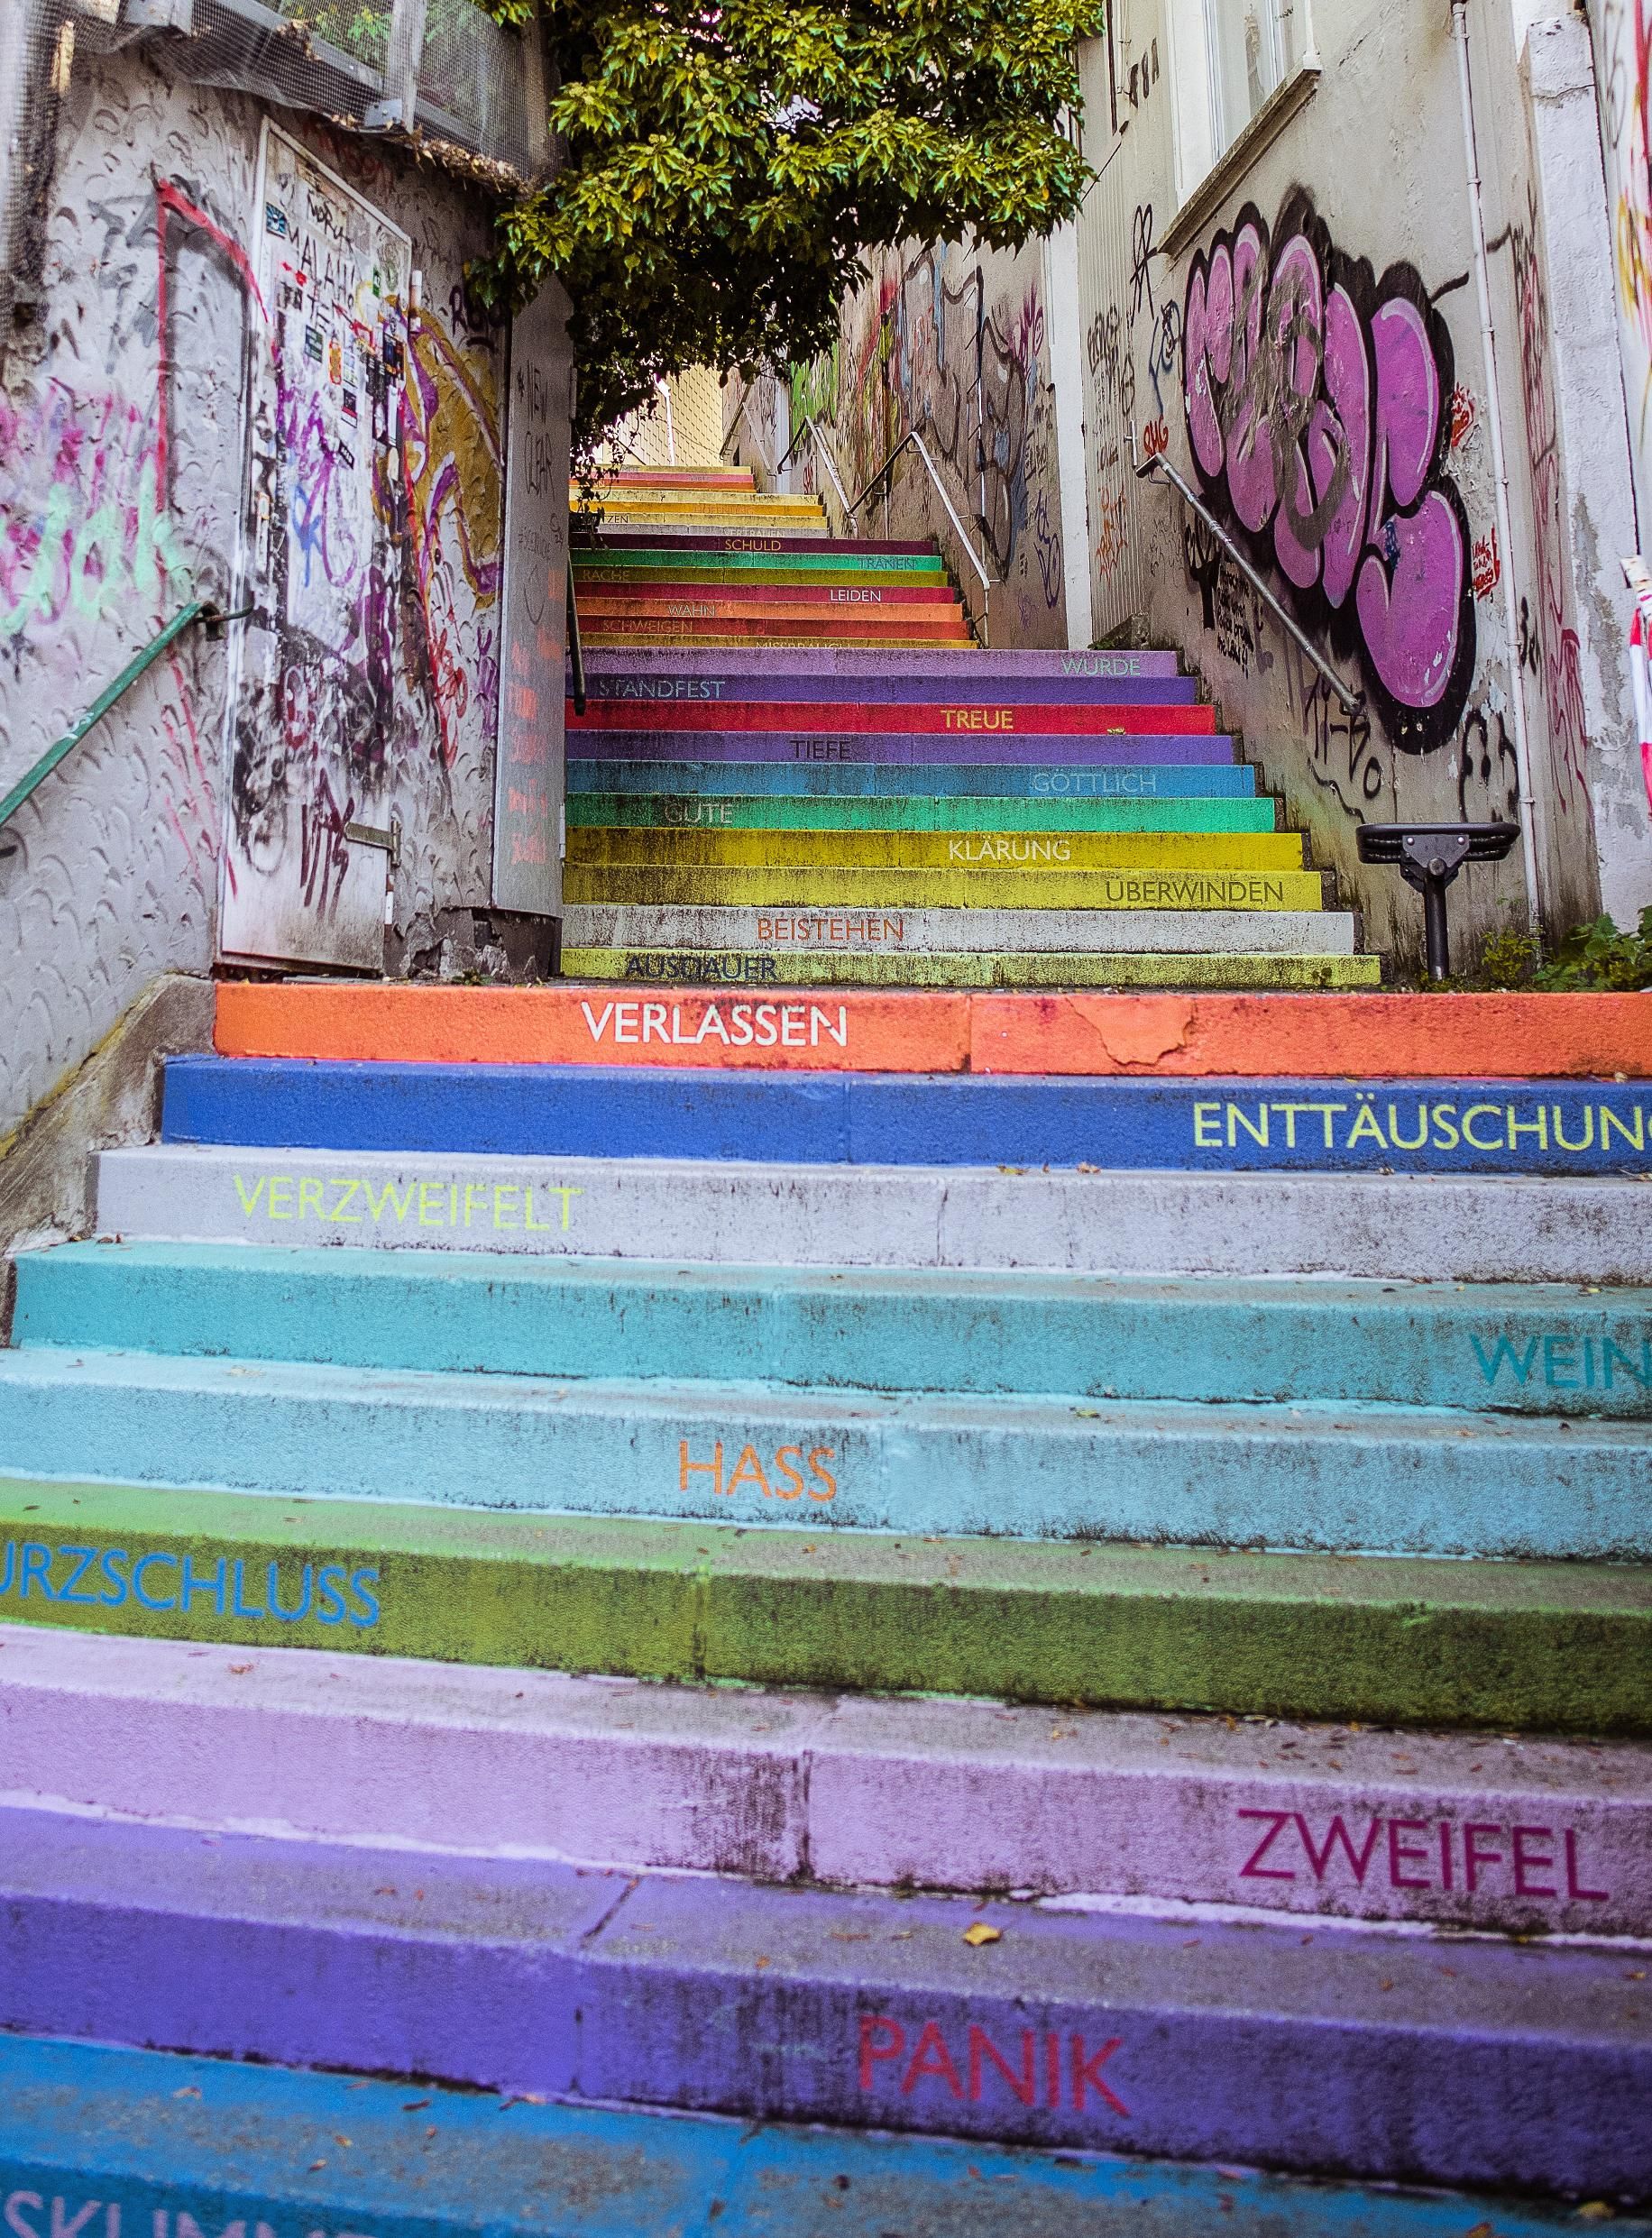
<point>1171,1036</point>
<point>613,613</point>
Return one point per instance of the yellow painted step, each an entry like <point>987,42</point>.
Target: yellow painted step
<point>653,885</point>
<point>1022,853</point>
<point>741,968</point>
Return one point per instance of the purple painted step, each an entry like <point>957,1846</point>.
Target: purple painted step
<point>787,661</point>
<point>1395,2057</point>
<point>1093,749</point>
<point>1013,691</point>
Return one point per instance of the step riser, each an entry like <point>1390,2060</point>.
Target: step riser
<point>958,970</point>
<point>585,1987</point>
<point>1240,854</point>
<point>902,631</point>
<point>1031,887</point>
<point>1543,1648</point>
<point>1066,785</point>
<point>867,1119</point>
<point>777,560</point>
<point>624,540</point>
<point>1532,1352</point>
<point>991,933</point>
<point>987,667</point>
<point>1479,1231</point>
<point>736,812</point>
<point>902,750</point>
<point>758,600</point>
<point>993,728</point>
<point>228,2139</point>
<point>883,690</point>
<point>1365,1483</point>
<point>956,1795</point>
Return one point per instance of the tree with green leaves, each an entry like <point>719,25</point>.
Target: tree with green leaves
<point>725,162</point>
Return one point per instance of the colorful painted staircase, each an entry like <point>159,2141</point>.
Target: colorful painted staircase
<point>1047,1602</point>
<point>796,766</point>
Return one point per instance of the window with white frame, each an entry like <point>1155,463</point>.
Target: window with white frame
<point>1230,58</point>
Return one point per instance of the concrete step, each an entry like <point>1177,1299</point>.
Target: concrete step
<point>1066,783</point>
<point>85,2123</point>
<point>1124,1809</point>
<point>760,598</point>
<point>863,847</point>
<point>986,665</point>
<point>917,811</point>
<point>1384,2060</point>
<point>1214,1125</point>
<point>966,713</point>
<point>730,1212</point>
<point>1339,1477</point>
<point>635,736</point>
<point>660,889</point>
<point>956,969</point>
<point>1534,1349</point>
<point>1543,1647</point>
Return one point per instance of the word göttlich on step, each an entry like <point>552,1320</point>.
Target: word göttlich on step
<point>1433,1854</point>
<point>354,1201</point>
<point>114,1577</point>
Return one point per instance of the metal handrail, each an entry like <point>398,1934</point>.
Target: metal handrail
<point>812,428</point>
<point>914,438</point>
<point>577,651</point>
<point>1353,700</point>
<point>199,611</point>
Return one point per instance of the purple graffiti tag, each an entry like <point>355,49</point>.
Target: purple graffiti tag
<point>1317,402</point>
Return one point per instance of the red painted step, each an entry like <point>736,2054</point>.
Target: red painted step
<point>964,710</point>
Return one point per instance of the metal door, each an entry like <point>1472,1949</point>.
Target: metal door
<point>310,841</point>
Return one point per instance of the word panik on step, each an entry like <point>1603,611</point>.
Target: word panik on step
<point>786,1466</point>
<point>86,1577</point>
<point>346,1201</point>
<point>1434,1854</point>
<point>1045,2064</point>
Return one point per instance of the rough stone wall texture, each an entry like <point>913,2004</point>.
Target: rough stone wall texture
<point>954,340</point>
<point>123,453</point>
<point>1307,352</point>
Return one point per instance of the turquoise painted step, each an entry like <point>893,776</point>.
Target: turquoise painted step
<point>1346,1478</point>
<point>259,2145</point>
<point>887,780</point>
<point>1532,1349</point>
<point>914,813</point>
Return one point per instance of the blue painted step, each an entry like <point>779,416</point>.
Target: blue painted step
<point>1191,1125</point>
<point>1530,1349</point>
<point>151,2134</point>
<point>1397,2059</point>
<point>1344,1479</point>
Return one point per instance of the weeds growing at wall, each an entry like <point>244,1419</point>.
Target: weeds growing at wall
<point>724,167</point>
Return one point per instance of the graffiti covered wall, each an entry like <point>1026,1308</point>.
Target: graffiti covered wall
<point>125,414</point>
<point>1306,349</point>
<point>955,341</point>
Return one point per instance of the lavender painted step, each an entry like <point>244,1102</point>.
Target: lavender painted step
<point>1343,2051</point>
<point>95,2128</point>
<point>853,1789</point>
<point>789,661</point>
<point>911,749</point>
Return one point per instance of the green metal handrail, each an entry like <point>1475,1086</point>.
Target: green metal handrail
<point>201,611</point>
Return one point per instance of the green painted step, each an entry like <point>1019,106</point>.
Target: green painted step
<point>913,812</point>
<point>1548,1647</point>
<point>643,559</point>
<point>970,968</point>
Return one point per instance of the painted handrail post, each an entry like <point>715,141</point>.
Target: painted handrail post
<point>202,611</point>
<point>577,651</point>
